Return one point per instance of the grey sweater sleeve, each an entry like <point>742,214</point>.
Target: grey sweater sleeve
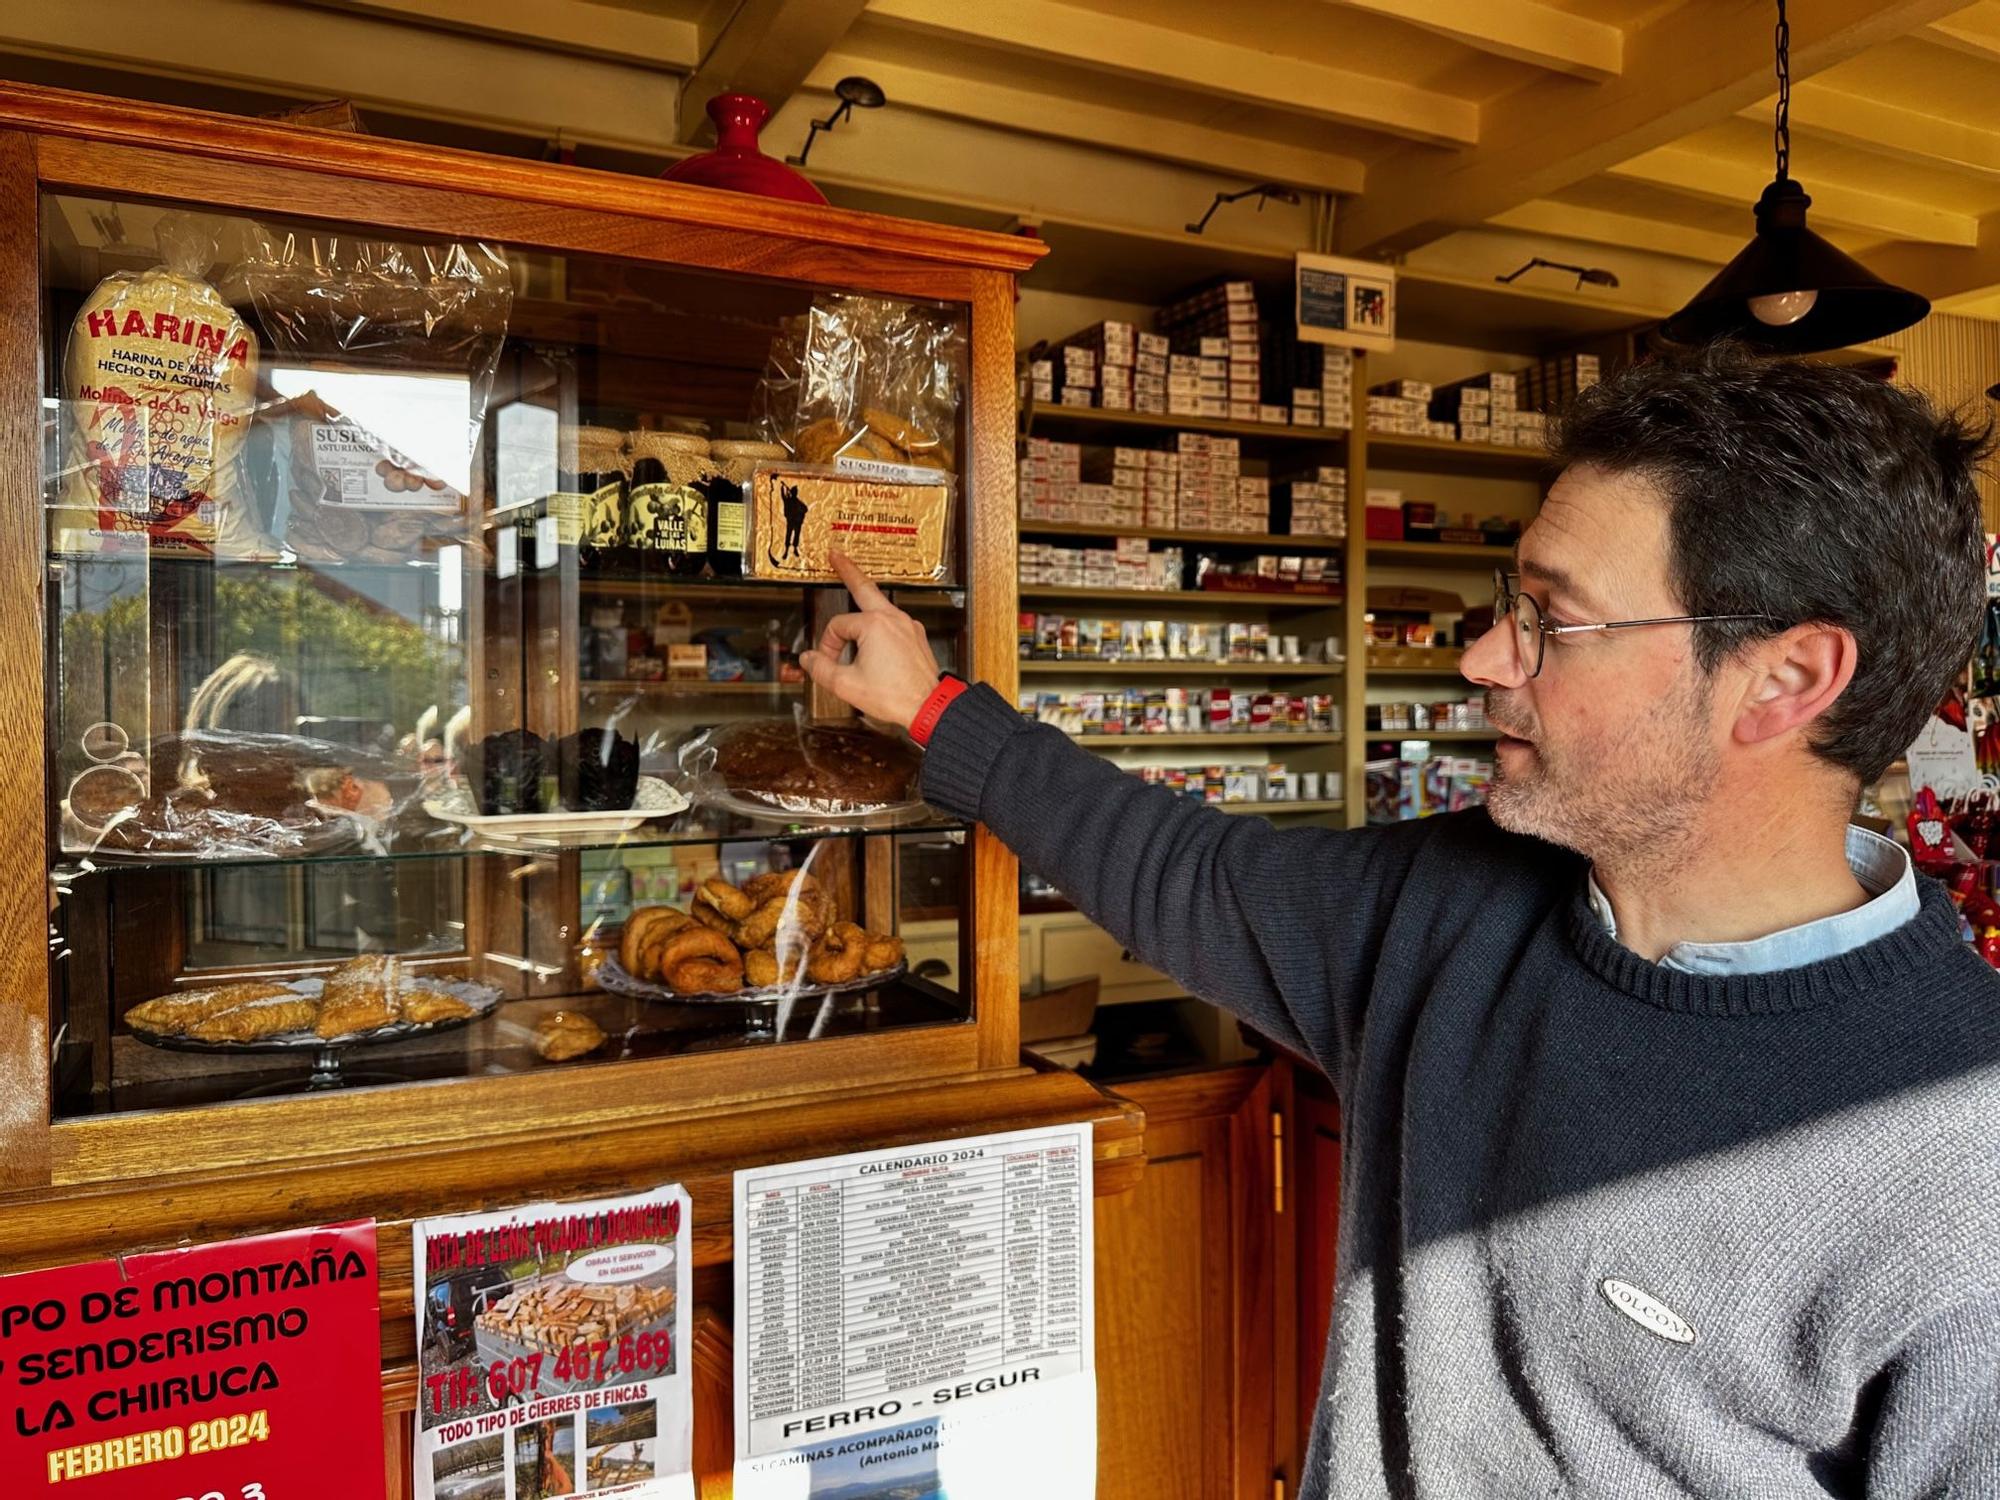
<point>1937,1431</point>
<point>1280,927</point>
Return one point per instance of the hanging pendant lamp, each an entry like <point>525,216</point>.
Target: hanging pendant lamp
<point>1789,291</point>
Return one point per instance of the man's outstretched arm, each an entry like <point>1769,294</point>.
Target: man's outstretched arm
<point>1279,927</point>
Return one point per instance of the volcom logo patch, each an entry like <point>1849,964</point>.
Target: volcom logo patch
<point>1647,1311</point>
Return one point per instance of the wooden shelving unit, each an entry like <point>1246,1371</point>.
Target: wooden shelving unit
<point>1180,598</point>
<point>1456,557</point>
<point>1206,741</point>
<point>1260,540</point>
<point>1252,669</point>
<point>1436,736</point>
<point>1088,419</point>
<point>1441,456</point>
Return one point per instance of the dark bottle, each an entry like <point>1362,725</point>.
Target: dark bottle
<point>727,512</point>
<point>667,514</point>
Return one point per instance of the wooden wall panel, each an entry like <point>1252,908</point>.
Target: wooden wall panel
<point>24,912</point>
<point>1953,360</point>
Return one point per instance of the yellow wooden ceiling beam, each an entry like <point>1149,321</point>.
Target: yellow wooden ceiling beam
<point>1065,118</point>
<point>583,27</point>
<point>767,48</point>
<point>1824,111</point>
<point>1518,29</point>
<point>1204,65</point>
<point>1942,272</point>
<point>1600,226</point>
<point>1701,174</point>
<point>1974,31</point>
<point>1690,66</point>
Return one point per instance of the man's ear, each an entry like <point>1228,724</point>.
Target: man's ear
<point>1796,677</point>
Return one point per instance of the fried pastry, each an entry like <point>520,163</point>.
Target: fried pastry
<point>424,1006</point>
<point>727,899</point>
<point>354,1010</point>
<point>836,957</point>
<point>254,1022</point>
<point>883,952</point>
<point>564,1035</point>
<point>648,926</point>
<point>705,976</point>
<point>173,1015</point>
<point>762,968</point>
<point>371,971</point>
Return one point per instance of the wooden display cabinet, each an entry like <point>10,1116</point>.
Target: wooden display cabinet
<point>663,301</point>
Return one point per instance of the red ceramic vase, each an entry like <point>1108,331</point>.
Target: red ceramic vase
<point>736,163</point>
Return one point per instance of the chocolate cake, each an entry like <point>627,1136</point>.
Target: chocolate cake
<point>815,767</point>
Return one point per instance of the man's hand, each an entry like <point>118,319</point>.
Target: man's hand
<point>893,670</point>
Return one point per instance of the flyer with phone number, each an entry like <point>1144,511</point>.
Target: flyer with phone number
<point>245,1370</point>
<point>552,1351</point>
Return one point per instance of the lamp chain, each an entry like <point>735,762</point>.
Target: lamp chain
<point>1784,125</point>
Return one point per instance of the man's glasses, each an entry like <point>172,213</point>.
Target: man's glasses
<point>1532,629</point>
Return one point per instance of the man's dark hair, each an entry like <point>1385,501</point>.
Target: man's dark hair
<point>1811,494</point>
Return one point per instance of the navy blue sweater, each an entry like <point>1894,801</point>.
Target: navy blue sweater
<point>1607,1229</point>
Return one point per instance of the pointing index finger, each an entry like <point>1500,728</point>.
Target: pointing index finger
<point>866,595</point>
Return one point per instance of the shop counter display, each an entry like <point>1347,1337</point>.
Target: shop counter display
<point>412,553</point>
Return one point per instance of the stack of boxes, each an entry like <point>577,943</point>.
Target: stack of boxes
<point>1113,349</point>
<point>1330,403</point>
<point>1544,387</point>
<point>1402,408</point>
<point>1150,371</point>
<point>1197,386</point>
<point>1214,338</point>
<point>1049,475</point>
<point>1318,503</point>
<point>1214,493</point>
<point>1129,565</point>
<point>1144,480</point>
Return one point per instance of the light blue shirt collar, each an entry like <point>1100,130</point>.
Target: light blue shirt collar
<point>1881,865</point>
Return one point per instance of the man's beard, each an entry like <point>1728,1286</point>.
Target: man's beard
<point>1631,799</point>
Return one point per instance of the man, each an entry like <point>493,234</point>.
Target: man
<point>1671,1105</point>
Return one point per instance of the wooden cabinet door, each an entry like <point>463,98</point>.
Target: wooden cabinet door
<point>1315,1155</point>
<point>1190,1283</point>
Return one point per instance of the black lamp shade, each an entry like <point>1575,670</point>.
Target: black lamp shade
<point>1849,303</point>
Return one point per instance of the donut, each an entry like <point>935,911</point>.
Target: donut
<point>708,916</point>
<point>784,913</point>
<point>836,957</point>
<point>882,953</point>
<point>761,968</point>
<point>727,899</point>
<point>703,976</point>
<point>645,925</point>
<point>695,941</point>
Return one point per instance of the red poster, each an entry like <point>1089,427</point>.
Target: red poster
<point>248,1370</point>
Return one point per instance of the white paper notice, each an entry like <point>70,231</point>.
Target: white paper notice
<point>552,1352</point>
<point>915,1324</point>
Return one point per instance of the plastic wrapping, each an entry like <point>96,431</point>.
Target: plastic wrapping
<point>333,305</point>
<point>867,384</point>
<point>218,794</point>
<point>800,767</point>
<point>159,384</point>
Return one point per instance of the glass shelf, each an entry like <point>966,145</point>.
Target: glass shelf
<point>445,841</point>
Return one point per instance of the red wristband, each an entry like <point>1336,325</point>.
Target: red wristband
<point>927,717</point>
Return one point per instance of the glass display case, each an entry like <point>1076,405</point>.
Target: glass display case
<point>403,645</point>
<point>424,549</point>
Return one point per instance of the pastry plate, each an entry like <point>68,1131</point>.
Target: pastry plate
<point>654,799</point>
<point>881,815</point>
<point>611,976</point>
<point>483,999</point>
